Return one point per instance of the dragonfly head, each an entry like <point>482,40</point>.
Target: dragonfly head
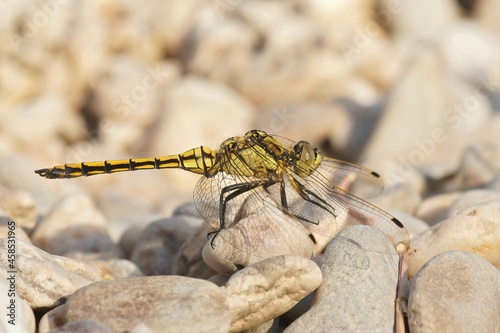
<point>307,158</point>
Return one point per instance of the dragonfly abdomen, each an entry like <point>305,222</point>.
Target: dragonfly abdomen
<point>198,160</point>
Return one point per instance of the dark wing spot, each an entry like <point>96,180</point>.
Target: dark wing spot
<point>396,221</point>
<point>375,174</point>
<point>312,238</point>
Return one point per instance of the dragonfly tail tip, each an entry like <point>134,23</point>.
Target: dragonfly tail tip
<point>43,172</point>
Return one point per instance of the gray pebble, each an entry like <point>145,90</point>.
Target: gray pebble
<point>360,276</point>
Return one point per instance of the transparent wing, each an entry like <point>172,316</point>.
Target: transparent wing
<point>325,198</point>
<point>355,179</point>
<point>207,197</point>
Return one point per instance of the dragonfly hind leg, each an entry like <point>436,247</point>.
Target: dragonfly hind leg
<point>236,190</point>
<point>307,196</point>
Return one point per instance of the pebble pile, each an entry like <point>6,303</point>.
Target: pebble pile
<point>408,89</point>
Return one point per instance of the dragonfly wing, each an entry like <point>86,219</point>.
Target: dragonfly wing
<point>355,179</point>
<point>260,229</point>
<point>334,208</point>
<point>211,192</point>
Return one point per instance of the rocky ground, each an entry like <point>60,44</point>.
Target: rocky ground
<point>407,88</point>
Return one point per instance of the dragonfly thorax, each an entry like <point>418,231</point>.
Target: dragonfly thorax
<point>259,155</point>
<point>245,156</point>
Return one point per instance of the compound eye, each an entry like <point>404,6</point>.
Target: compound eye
<point>308,158</point>
<point>308,154</point>
<point>305,152</point>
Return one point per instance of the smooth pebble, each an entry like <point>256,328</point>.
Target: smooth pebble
<point>178,303</point>
<point>475,229</point>
<point>455,292</point>
<point>160,241</point>
<point>269,288</point>
<point>73,227</point>
<point>42,279</point>
<point>360,277</point>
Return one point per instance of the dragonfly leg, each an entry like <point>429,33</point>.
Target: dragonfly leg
<point>236,190</point>
<point>308,196</point>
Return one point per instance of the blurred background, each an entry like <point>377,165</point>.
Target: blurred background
<point>408,88</point>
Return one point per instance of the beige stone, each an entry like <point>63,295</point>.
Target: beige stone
<point>268,289</point>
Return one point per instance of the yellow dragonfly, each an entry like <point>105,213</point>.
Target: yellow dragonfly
<point>261,170</point>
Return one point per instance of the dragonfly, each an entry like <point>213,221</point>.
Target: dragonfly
<point>268,174</point>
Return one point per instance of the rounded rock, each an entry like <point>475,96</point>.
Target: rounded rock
<point>471,198</point>
<point>9,226</point>
<point>455,292</point>
<point>42,279</point>
<point>253,239</point>
<point>189,260</point>
<point>160,241</point>
<point>179,303</point>
<point>269,288</point>
<point>75,226</point>
<point>116,268</point>
<point>83,326</point>
<point>434,209</point>
<point>475,229</point>
<point>360,278</point>
<point>20,206</point>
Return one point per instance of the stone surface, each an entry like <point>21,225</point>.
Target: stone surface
<point>189,260</point>
<point>269,288</point>
<point>19,206</point>
<point>116,268</point>
<point>51,320</point>
<point>209,103</point>
<point>179,303</point>
<point>269,326</point>
<point>435,208</point>
<point>478,166</point>
<point>475,229</point>
<point>430,136</point>
<point>132,234</point>
<point>224,47</point>
<point>141,328</point>
<point>128,95</point>
<point>455,292</point>
<point>255,238</point>
<point>83,326</point>
<point>43,278</point>
<point>75,226</point>
<point>408,89</point>
<point>160,241</point>
<point>19,317</point>
<point>10,227</point>
<point>360,276</point>
<point>122,211</point>
<point>472,198</point>
<point>413,20</point>
<point>320,120</point>
<point>401,197</point>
